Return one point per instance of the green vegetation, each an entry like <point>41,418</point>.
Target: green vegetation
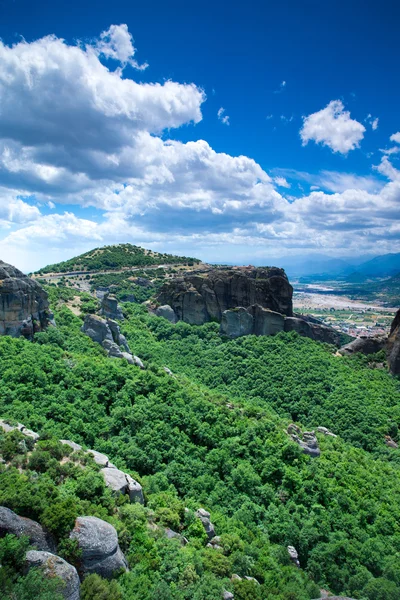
<point>212,436</point>
<point>116,257</point>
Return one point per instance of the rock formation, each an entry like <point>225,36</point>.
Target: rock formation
<point>122,483</point>
<point>24,307</point>
<point>245,300</point>
<point>204,517</point>
<point>307,441</point>
<point>371,345</point>
<point>110,307</point>
<point>393,346</point>
<point>197,298</point>
<point>24,430</point>
<point>11,523</point>
<point>107,333</point>
<point>167,313</point>
<point>98,542</point>
<point>257,320</point>
<point>54,566</point>
<point>294,556</point>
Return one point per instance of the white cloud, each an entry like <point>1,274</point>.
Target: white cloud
<point>282,86</point>
<point>374,122</point>
<point>333,127</point>
<point>222,116</point>
<point>117,43</point>
<point>395,137</point>
<point>281,182</point>
<point>104,144</point>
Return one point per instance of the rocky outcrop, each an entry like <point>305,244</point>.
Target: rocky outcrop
<point>307,441</point>
<point>98,542</point>
<point>393,346</point>
<point>166,312</point>
<point>24,430</point>
<point>11,523</point>
<point>364,345</point>
<point>122,483</point>
<point>204,517</point>
<point>54,566</point>
<point>107,333</point>
<point>24,306</point>
<point>197,298</point>
<point>257,320</point>
<point>371,345</point>
<point>110,307</point>
<point>294,556</point>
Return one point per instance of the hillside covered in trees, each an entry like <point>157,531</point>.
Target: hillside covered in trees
<point>211,435</point>
<point>116,257</point>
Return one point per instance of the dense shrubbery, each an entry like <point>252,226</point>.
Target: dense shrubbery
<point>189,449</point>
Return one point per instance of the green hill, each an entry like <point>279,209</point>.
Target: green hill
<point>115,257</point>
<point>212,435</point>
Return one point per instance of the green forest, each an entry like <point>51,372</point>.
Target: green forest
<point>116,257</point>
<point>212,435</point>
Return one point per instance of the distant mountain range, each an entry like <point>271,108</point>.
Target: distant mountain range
<point>351,270</point>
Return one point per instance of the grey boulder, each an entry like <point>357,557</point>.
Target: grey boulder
<point>11,523</point>
<point>166,312</point>
<point>236,322</point>
<point>204,517</point>
<point>54,566</point>
<point>122,483</point>
<point>98,542</point>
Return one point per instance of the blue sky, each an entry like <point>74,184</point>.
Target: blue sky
<point>267,135</point>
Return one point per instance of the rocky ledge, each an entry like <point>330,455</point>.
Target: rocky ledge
<point>24,307</point>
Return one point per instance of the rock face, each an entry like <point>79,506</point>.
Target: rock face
<point>54,566</point>
<point>257,320</point>
<point>107,333</point>
<point>98,541</point>
<point>24,307</point>
<point>197,299</point>
<point>393,346</point>
<point>110,307</point>
<point>11,523</point>
<point>294,556</point>
<point>24,430</point>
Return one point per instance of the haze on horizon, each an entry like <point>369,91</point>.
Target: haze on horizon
<point>244,135</point>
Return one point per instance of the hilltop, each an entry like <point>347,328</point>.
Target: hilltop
<point>116,257</point>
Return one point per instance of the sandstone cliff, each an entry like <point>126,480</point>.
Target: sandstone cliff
<point>198,298</point>
<point>24,307</point>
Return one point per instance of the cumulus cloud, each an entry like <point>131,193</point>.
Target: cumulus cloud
<point>374,122</point>
<point>333,127</point>
<point>395,137</point>
<point>106,145</point>
<point>117,43</point>
<point>224,118</point>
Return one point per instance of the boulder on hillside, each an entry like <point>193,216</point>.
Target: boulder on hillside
<point>307,441</point>
<point>76,447</point>
<point>54,566</point>
<point>106,332</point>
<point>24,430</point>
<point>266,321</point>
<point>122,483</point>
<point>294,556</point>
<point>110,307</point>
<point>24,306</point>
<point>204,517</point>
<point>166,312</point>
<point>197,298</point>
<point>98,542</point>
<point>364,345</point>
<point>97,329</point>
<point>11,523</point>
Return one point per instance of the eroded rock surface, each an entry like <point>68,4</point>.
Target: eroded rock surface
<point>197,298</point>
<point>54,566</point>
<point>393,346</point>
<point>307,441</point>
<point>24,306</point>
<point>166,312</point>
<point>365,345</point>
<point>204,517</point>
<point>11,523</point>
<point>122,483</point>
<point>98,541</point>
<point>257,320</point>
<point>110,307</point>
